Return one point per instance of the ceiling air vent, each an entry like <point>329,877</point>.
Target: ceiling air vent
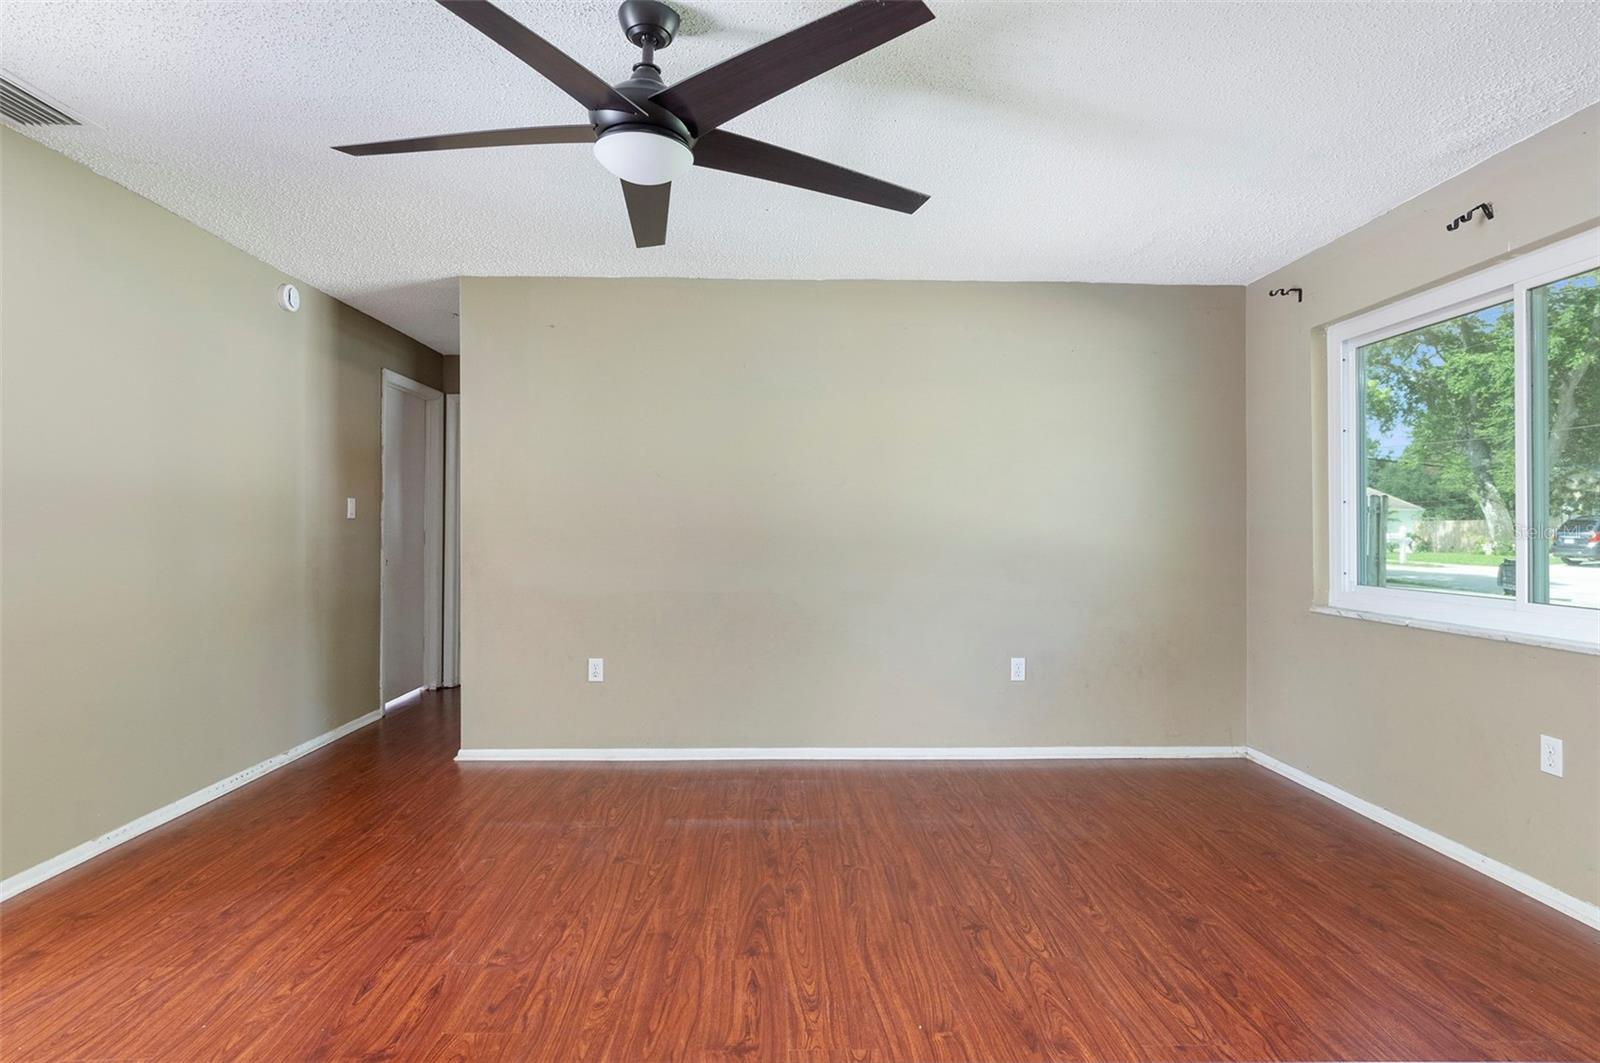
<point>24,108</point>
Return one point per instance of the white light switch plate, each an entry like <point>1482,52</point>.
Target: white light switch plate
<point>1019,669</point>
<point>1550,755</point>
<point>597,669</point>
<point>349,509</point>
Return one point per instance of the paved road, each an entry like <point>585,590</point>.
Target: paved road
<point>1569,584</point>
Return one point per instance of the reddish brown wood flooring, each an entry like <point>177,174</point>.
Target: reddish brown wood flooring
<point>377,900</point>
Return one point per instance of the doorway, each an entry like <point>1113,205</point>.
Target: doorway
<point>452,542</point>
<point>410,656</point>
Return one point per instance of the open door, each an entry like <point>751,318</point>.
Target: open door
<point>410,656</point>
<point>452,541</point>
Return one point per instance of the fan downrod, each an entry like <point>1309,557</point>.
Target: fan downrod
<point>648,24</point>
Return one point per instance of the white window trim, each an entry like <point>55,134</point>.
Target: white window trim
<point>1513,617</point>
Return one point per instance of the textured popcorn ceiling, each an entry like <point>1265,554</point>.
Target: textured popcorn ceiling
<point>1140,142</point>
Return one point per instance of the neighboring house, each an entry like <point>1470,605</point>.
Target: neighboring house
<point>1403,519</point>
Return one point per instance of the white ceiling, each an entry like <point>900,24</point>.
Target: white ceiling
<point>1137,142</point>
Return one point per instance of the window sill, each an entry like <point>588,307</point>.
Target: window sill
<point>1462,629</point>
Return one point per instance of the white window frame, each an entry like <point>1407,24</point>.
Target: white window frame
<point>1513,617</point>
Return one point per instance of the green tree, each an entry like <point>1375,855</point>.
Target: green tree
<point>1450,387</point>
<point>1568,340</point>
<point>1449,391</point>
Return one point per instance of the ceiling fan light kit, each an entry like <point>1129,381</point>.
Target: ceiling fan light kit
<point>648,133</point>
<point>642,155</point>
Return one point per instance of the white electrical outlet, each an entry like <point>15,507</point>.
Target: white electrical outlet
<point>1019,669</point>
<point>1550,755</point>
<point>597,669</point>
<point>349,509</point>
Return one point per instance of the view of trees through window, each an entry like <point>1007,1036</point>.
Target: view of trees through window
<point>1439,451</point>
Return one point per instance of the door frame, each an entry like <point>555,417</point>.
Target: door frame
<point>432,527</point>
<point>452,541</point>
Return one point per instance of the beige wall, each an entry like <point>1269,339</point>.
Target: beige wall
<point>182,594</point>
<point>1442,729</point>
<point>827,514</point>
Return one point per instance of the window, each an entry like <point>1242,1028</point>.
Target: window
<point>1464,445</point>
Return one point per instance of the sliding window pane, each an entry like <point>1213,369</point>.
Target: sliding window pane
<point>1564,364</point>
<point>1438,464</point>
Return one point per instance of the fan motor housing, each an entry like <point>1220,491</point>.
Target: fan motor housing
<point>645,83</point>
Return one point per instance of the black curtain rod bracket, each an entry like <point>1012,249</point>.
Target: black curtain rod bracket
<point>1299,296</point>
<point>1488,215</point>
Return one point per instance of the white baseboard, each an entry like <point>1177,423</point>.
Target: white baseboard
<point>1520,881</point>
<point>78,854</point>
<point>861,753</point>
<point>389,705</point>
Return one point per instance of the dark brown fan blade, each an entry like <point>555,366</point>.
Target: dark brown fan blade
<point>647,212</point>
<point>722,150</point>
<point>705,100</point>
<point>559,68</point>
<point>488,138</point>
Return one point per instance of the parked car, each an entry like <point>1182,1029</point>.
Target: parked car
<point>1508,576</point>
<point>1578,540</point>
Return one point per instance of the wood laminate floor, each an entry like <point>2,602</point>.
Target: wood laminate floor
<point>377,900</point>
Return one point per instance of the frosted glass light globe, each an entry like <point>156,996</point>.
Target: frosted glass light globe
<point>643,157</point>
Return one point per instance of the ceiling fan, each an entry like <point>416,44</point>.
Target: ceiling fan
<point>647,132</point>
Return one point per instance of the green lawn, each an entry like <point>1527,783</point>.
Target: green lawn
<point>1428,557</point>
